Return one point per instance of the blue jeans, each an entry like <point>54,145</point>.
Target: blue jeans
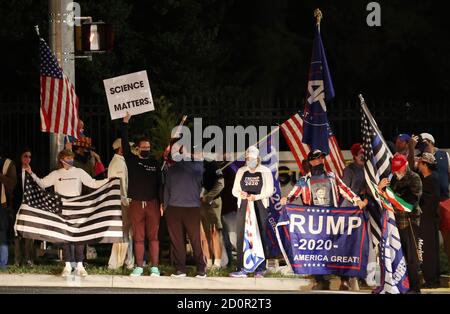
<point>3,255</point>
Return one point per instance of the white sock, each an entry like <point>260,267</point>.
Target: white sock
<point>209,262</point>
<point>68,265</point>
<point>80,265</point>
<point>217,262</point>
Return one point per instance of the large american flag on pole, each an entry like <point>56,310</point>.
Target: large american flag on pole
<point>92,218</point>
<point>59,103</point>
<point>292,130</point>
<point>383,229</point>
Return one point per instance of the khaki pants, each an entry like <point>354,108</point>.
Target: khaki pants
<point>123,252</point>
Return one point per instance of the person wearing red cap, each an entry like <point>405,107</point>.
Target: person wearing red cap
<point>322,188</point>
<point>353,175</point>
<point>406,186</point>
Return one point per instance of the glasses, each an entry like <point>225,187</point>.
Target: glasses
<point>27,156</point>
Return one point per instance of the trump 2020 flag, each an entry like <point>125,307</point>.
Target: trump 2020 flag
<point>253,247</point>
<point>269,158</point>
<point>92,218</point>
<point>320,90</point>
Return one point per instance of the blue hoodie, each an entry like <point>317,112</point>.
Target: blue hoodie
<point>184,184</point>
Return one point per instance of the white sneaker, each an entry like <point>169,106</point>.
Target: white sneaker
<point>66,272</point>
<point>81,272</point>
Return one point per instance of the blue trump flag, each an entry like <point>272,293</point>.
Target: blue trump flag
<point>320,90</point>
<point>325,240</point>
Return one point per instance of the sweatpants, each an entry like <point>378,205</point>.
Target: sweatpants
<point>430,235</point>
<point>179,220</point>
<point>410,252</point>
<point>261,217</point>
<point>145,217</point>
<point>73,252</point>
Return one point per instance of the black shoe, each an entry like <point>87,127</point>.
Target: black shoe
<point>432,285</point>
<point>414,292</point>
<point>321,285</point>
<point>178,274</point>
<point>201,274</point>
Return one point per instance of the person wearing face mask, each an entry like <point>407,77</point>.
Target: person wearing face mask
<point>144,190</point>
<point>407,185</point>
<point>322,188</point>
<point>68,181</point>
<point>253,183</point>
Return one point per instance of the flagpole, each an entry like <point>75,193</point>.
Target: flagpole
<point>242,154</point>
<point>318,15</point>
<point>371,118</point>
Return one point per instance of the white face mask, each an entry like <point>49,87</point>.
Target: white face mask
<point>399,176</point>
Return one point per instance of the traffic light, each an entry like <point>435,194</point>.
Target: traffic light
<point>97,37</point>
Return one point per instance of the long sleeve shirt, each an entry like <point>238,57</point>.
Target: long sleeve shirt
<point>144,175</point>
<point>118,169</point>
<point>68,182</point>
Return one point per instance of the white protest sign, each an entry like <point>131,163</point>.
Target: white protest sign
<point>128,93</point>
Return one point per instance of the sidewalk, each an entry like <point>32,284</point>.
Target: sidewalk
<point>165,282</point>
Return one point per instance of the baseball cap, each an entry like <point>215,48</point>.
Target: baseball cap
<point>314,154</point>
<point>428,158</point>
<point>252,152</point>
<point>355,149</point>
<point>398,162</point>
<point>427,136</point>
<point>404,137</point>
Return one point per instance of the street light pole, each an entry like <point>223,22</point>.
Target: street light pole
<point>61,40</point>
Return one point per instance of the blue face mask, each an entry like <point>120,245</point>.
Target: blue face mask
<point>67,162</point>
<point>252,164</point>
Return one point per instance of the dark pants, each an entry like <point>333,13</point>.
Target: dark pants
<point>429,228</point>
<point>23,250</point>
<point>73,252</point>
<point>261,217</point>
<point>412,260</point>
<point>145,218</point>
<point>179,220</point>
<point>227,241</point>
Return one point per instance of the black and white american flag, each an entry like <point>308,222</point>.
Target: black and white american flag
<point>92,218</point>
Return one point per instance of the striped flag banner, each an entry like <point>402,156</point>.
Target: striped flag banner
<point>292,130</point>
<point>253,247</point>
<point>59,103</point>
<point>92,218</point>
<point>384,231</point>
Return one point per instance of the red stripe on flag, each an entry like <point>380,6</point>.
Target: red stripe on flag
<point>50,105</point>
<point>43,111</point>
<point>58,106</point>
<point>67,110</point>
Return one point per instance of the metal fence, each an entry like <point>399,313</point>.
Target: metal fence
<point>20,122</point>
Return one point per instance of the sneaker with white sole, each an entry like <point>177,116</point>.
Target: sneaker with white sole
<point>81,272</point>
<point>178,274</point>
<point>154,272</point>
<point>239,274</point>
<point>67,271</point>
<point>137,271</point>
<point>201,274</point>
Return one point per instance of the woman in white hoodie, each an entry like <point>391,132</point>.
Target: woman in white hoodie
<point>68,181</point>
<point>253,187</point>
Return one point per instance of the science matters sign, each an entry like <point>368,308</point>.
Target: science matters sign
<point>128,93</point>
<point>324,240</point>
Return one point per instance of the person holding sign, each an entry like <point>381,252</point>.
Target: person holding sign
<point>144,189</point>
<point>253,186</point>
<point>322,188</point>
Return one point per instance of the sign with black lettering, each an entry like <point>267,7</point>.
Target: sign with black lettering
<point>128,93</point>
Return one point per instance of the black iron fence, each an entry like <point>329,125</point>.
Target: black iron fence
<point>20,122</point>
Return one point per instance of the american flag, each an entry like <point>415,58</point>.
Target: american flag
<point>293,132</point>
<point>92,218</point>
<point>383,229</point>
<point>59,103</point>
